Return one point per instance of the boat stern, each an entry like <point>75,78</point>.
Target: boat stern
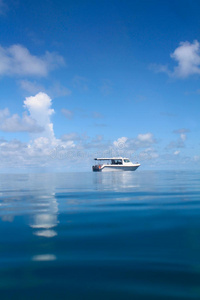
<point>96,168</point>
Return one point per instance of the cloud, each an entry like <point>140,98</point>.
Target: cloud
<point>96,144</point>
<point>148,154</point>
<point>176,144</point>
<point>71,136</point>
<point>39,150</point>
<point>31,87</point>
<point>143,140</point>
<point>180,142</point>
<point>39,107</point>
<point>16,124</point>
<point>183,137</point>
<point>98,138</point>
<point>67,113</point>
<point>13,153</point>
<point>182,133</point>
<point>17,60</point>
<point>182,130</point>
<point>37,121</point>
<point>187,57</point>
<point>121,142</point>
<point>141,147</point>
<point>177,152</point>
<point>55,90</point>
<point>4,113</point>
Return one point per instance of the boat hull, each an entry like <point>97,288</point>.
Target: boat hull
<point>119,168</point>
<point>110,168</point>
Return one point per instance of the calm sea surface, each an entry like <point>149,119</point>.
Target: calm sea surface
<point>123,235</point>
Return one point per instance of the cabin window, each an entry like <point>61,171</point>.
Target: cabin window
<point>126,160</point>
<point>116,162</point>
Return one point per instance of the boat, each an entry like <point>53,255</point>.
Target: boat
<point>114,164</point>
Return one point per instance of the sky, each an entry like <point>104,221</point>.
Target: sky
<point>95,78</point>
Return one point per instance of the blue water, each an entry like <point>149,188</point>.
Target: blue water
<point>123,235</point>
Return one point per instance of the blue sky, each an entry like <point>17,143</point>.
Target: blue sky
<point>80,79</point>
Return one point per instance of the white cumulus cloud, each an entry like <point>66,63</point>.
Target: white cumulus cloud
<point>39,107</point>
<point>143,140</point>
<point>17,60</point>
<point>14,123</point>
<point>146,137</point>
<point>187,57</point>
<point>35,120</point>
<point>121,142</point>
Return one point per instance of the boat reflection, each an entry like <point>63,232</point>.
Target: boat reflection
<point>115,181</point>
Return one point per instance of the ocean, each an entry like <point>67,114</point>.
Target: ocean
<point>118,235</point>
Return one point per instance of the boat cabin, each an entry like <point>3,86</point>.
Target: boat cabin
<point>115,161</point>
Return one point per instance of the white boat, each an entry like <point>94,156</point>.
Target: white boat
<point>115,164</point>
